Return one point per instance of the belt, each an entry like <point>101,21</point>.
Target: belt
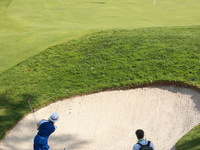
<point>41,137</point>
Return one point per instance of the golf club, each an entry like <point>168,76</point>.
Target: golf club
<point>32,110</point>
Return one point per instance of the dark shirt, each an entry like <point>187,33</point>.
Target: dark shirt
<point>46,128</point>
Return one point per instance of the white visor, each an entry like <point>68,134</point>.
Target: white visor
<point>54,117</point>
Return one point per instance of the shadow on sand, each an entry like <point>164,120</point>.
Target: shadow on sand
<point>195,96</point>
<point>24,138</point>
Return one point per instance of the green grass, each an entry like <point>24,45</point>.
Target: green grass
<point>28,27</point>
<point>112,59</point>
<point>120,58</point>
<point>190,140</point>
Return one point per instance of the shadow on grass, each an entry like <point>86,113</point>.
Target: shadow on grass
<point>187,144</point>
<point>6,3</point>
<point>98,2</point>
<point>12,110</point>
<point>24,131</point>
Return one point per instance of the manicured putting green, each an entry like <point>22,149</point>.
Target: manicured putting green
<point>28,27</point>
<point>87,14</point>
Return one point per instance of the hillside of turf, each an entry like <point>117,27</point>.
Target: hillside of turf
<point>100,61</point>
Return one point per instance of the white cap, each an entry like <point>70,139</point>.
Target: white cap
<point>54,117</point>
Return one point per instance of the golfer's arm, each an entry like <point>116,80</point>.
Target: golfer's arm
<point>38,126</point>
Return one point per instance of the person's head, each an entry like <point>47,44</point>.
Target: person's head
<point>140,134</point>
<point>54,117</point>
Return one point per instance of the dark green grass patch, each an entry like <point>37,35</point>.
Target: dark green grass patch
<point>190,141</point>
<point>100,61</point>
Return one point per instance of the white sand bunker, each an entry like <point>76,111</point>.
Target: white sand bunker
<point>108,120</point>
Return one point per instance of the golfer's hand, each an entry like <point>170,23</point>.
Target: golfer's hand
<point>38,126</point>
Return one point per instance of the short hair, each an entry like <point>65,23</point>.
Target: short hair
<point>139,133</point>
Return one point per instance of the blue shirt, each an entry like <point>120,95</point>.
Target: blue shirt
<point>46,128</point>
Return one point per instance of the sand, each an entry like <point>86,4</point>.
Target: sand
<point>108,120</point>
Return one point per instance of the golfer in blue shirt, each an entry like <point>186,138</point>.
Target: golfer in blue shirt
<point>46,128</point>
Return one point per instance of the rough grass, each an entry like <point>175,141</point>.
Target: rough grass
<point>100,61</point>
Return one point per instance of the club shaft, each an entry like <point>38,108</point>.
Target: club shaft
<point>32,112</point>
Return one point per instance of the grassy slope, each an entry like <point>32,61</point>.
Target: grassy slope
<point>100,61</point>
<point>190,141</point>
<point>28,27</point>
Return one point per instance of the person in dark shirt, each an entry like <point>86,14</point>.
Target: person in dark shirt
<point>45,129</point>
